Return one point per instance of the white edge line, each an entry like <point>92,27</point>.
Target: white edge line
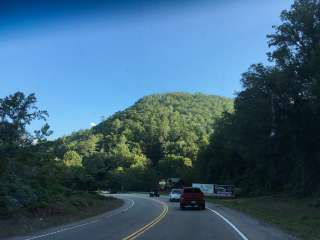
<point>83,224</point>
<point>230,223</point>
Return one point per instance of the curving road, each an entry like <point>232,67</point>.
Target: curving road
<point>146,218</point>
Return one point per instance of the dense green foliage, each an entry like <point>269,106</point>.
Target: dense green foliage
<point>20,185</point>
<point>158,137</point>
<point>32,178</point>
<point>271,141</point>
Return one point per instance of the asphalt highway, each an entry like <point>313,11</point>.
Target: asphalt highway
<point>147,218</point>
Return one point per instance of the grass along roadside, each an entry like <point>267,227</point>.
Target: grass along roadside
<point>301,217</point>
<point>78,206</point>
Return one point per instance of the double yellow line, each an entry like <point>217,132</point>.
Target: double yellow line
<point>149,225</point>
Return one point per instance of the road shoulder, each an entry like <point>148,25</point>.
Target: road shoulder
<point>251,227</point>
<point>111,207</point>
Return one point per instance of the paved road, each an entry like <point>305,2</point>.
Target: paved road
<point>145,218</point>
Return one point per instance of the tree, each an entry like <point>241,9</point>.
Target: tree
<point>28,173</point>
<point>72,158</point>
<point>16,112</point>
<point>270,142</point>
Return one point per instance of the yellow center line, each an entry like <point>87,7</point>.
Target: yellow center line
<point>149,225</point>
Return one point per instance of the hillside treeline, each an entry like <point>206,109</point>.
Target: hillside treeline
<point>270,143</point>
<point>158,137</point>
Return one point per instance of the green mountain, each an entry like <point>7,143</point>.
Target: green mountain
<point>161,133</point>
<point>164,124</point>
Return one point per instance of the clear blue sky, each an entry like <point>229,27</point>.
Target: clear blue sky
<point>86,62</point>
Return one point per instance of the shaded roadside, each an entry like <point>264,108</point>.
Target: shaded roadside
<point>300,217</point>
<point>77,208</point>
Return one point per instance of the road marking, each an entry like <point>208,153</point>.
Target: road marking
<point>149,225</point>
<point>83,224</point>
<point>230,224</point>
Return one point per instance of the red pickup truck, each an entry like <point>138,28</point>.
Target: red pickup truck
<point>192,197</point>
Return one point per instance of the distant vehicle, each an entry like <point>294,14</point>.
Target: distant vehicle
<point>192,197</point>
<point>154,193</point>
<point>175,195</point>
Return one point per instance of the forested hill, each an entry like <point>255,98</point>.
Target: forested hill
<point>164,124</point>
<point>160,134</point>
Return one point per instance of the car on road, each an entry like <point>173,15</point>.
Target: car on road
<point>175,195</point>
<point>154,193</point>
<point>192,197</point>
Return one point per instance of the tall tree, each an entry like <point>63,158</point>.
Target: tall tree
<point>17,111</point>
<point>274,130</point>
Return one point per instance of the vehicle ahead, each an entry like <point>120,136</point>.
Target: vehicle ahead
<point>154,193</point>
<point>175,195</point>
<point>192,197</point>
